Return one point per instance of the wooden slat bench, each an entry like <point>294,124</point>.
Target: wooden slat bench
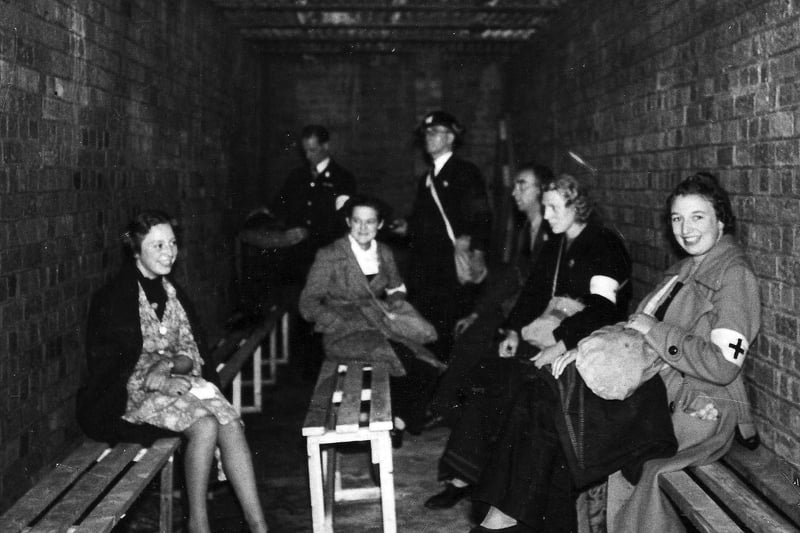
<point>93,487</point>
<point>744,491</point>
<point>333,418</point>
<point>243,345</point>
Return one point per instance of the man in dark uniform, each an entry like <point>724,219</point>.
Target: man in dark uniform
<point>308,206</point>
<point>309,201</point>
<point>433,284</point>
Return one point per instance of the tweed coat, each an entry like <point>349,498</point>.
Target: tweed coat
<point>340,301</point>
<point>703,340</point>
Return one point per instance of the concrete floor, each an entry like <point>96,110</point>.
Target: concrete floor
<point>280,462</point>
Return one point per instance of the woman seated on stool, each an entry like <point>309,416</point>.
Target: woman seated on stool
<point>352,289</point>
<point>696,327</point>
<point>150,377</point>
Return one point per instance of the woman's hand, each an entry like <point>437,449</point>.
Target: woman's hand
<point>463,324</point>
<point>562,361</point>
<point>296,235</point>
<point>182,364</point>
<point>548,355</point>
<point>399,226</point>
<point>641,322</point>
<point>508,346</point>
<point>176,386</point>
<point>157,375</point>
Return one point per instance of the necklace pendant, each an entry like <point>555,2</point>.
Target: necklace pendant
<point>162,330</point>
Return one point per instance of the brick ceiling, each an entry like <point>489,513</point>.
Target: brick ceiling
<point>387,24</point>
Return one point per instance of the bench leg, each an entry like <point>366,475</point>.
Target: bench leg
<point>332,483</point>
<point>257,380</point>
<point>315,486</point>
<point>383,444</point>
<point>285,337</point>
<point>165,513</point>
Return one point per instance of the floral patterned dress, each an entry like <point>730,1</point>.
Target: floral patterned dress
<point>163,339</point>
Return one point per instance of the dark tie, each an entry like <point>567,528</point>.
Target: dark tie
<point>662,309</point>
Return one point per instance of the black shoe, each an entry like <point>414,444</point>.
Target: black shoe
<point>751,443</point>
<point>397,438</point>
<point>450,496</point>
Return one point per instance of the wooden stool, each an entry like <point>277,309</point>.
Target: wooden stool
<point>333,418</point>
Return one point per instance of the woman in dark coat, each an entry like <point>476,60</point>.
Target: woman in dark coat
<point>528,479</point>
<point>149,376</point>
<point>584,261</point>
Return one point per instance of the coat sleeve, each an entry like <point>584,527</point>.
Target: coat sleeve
<point>532,300</point>
<point>735,320</point>
<point>313,299</point>
<point>609,259</point>
<point>478,216</point>
<point>394,280</point>
<point>503,283</point>
<point>112,350</point>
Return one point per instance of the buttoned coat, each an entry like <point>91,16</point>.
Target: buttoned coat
<point>340,300</point>
<point>310,202</point>
<point>722,295</point>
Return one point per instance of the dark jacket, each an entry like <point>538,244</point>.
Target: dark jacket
<point>113,347</point>
<point>461,190</point>
<point>309,202</point>
<point>597,251</point>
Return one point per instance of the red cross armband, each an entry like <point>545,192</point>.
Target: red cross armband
<point>731,343</point>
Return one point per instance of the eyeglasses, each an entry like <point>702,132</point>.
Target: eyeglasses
<point>523,185</point>
<point>431,132</point>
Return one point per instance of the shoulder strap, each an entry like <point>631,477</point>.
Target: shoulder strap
<point>429,183</point>
<point>558,265</point>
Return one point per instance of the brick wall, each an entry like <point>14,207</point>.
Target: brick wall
<point>105,108</point>
<point>649,92</point>
<point>371,103</point>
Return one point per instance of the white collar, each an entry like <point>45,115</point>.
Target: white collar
<point>322,165</point>
<point>367,259</point>
<point>440,161</point>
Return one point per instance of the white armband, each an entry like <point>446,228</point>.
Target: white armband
<point>732,344</point>
<point>605,287</point>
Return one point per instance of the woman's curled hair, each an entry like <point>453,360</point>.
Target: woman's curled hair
<point>140,226</point>
<point>575,194</point>
<point>706,185</point>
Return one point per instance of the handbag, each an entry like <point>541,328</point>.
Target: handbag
<point>406,322</point>
<point>470,264</point>
<point>540,332</point>
<point>614,361</point>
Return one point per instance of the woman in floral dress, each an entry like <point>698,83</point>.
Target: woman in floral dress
<point>148,375</point>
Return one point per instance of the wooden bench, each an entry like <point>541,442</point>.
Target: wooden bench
<point>93,487</point>
<point>744,491</point>
<point>340,396</point>
<point>243,345</point>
